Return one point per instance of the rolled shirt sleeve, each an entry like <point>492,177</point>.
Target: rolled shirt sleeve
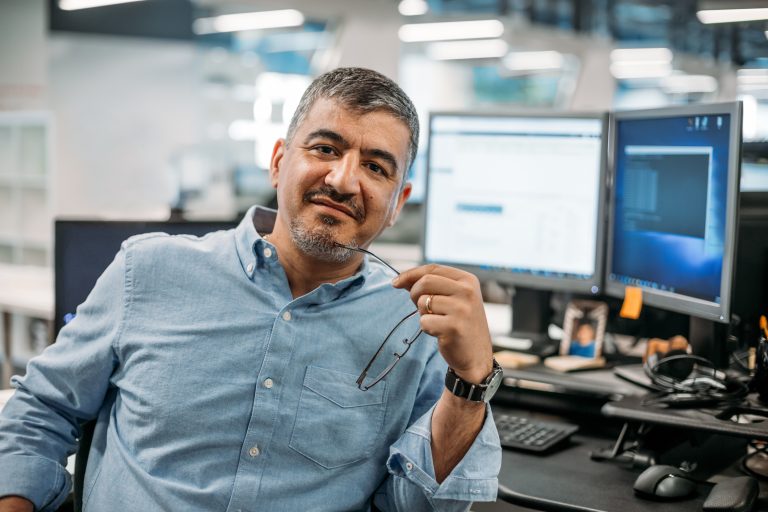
<point>475,478</point>
<point>63,387</point>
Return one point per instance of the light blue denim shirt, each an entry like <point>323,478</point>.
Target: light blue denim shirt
<point>215,389</point>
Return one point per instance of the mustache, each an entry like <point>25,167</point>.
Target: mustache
<point>334,195</point>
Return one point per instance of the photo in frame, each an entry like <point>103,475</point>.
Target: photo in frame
<point>584,329</point>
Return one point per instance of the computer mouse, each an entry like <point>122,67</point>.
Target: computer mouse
<point>664,483</point>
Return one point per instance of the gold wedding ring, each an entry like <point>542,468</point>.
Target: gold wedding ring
<point>428,305</point>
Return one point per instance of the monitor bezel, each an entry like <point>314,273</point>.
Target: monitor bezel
<point>593,286</point>
<point>670,301</point>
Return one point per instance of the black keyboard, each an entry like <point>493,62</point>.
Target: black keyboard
<point>531,435</point>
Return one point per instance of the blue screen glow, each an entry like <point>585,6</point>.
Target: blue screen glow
<point>671,191</point>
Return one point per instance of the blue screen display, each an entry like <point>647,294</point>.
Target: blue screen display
<point>671,191</point>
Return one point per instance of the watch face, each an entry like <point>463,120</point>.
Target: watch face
<point>493,386</point>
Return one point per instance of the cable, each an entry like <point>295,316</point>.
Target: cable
<point>687,380</point>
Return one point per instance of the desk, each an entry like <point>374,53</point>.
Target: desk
<point>705,419</point>
<point>27,291</point>
<point>568,479</point>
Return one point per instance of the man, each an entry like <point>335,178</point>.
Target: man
<point>222,369</point>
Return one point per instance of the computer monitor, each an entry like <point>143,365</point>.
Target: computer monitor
<point>518,198</point>
<point>84,249</point>
<point>674,208</point>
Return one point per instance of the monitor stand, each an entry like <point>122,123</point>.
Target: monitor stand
<point>531,315</point>
<point>709,339</point>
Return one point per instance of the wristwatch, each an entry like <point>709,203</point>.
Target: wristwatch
<point>474,392</point>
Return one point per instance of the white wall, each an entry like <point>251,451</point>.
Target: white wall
<point>123,108</point>
<point>23,31</point>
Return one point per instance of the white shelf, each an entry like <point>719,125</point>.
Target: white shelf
<point>25,187</point>
<point>26,234</point>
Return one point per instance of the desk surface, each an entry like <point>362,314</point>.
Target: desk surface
<point>601,383</point>
<point>749,419</point>
<point>567,479</point>
<point>26,290</point>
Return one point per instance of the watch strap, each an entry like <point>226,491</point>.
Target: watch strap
<point>468,390</point>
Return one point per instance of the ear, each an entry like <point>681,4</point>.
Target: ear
<point>277,157</point>
<point>402,197</point>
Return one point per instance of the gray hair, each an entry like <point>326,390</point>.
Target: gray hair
<point>361,90</point>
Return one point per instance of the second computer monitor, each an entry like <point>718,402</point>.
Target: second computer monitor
<point>518,198</point>
<point>675,205</point>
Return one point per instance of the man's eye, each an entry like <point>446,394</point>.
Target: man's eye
<point>326,150</point>
<point>377,169</point>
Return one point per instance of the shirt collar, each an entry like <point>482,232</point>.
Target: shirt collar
<point>247,236</point>
<point>249,241</point>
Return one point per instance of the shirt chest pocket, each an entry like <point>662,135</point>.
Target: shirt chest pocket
<point>337,423</point>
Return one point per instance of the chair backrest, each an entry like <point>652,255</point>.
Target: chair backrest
<point>81,460</point>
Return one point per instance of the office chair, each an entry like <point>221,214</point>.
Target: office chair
<point>81,460</point>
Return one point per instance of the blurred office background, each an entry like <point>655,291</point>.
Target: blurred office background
<point>141,109</point>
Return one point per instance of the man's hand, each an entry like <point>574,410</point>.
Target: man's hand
<point>15,504</point>
<point>451,307</point>
<point>455,316</point>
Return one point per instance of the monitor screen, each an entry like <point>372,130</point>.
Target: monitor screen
<point>518,198</point>
<point>674,207</point>
<point>84,249</point>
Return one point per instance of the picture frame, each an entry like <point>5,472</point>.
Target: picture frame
<point>584,329</point>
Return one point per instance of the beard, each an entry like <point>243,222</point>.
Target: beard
<point>320,242</point>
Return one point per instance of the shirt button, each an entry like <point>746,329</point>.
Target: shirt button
<point>287,316</point>
<point>409,466</point>
<point>267,252</point>
<point>249,268</point>
<point>254,451</point>
<point>269,383</point>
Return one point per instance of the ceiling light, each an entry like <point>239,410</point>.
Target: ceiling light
<point>453,50</point>
<point>686,84</point>
<point>73,5</point>
<point>752,78</point>
<point>641,54</point>
<point>248,21</point>
<point>445,31</point>
<point>413,7</point>
<point>533,61</point>
<point>732,15</point>
<point>638,70</point>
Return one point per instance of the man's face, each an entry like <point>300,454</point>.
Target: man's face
<point>339,179</point>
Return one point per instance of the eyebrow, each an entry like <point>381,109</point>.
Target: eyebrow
<point>323,133</point>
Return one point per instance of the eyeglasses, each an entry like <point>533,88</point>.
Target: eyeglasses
<point>398,340</point>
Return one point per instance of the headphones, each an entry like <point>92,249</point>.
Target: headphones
<point>687,380</point>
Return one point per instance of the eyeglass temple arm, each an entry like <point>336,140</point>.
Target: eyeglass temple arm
<point>397,355</point>
<point>369,253</point>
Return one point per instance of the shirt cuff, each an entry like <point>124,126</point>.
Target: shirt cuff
<point>21,477</point>
<point>475,477</point>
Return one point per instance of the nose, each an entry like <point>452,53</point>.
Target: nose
<point>343,174</point>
